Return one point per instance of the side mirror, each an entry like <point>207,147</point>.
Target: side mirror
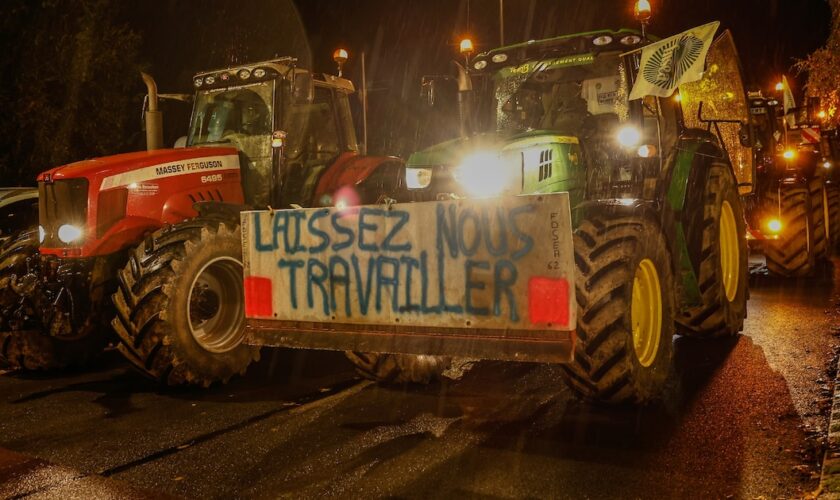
<point>303,87</point>
<point>427,90</point>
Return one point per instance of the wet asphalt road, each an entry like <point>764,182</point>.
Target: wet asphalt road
<point>744,419</point>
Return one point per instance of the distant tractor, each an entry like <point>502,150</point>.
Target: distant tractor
<point>790,213</point>
<point>148,242</point>
<point>644,229</point>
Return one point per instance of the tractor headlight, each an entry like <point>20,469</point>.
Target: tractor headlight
<point>42,234</point>
<point>418,178</point>
<point>68,233</point>
<point>774,225</point>
<point>484,174</point>
<point>629,136</point>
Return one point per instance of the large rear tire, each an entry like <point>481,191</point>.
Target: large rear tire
<point>399,368</point>
<point>624,289</point>
<point>792,255</point>
<point>24,339</point>
<point>819,219</point>
<point>832,208</point>
<point>180,304</point>
<point>721,240</point>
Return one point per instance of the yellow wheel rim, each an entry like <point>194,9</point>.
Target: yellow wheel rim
<point>646,312</point>
<point>730,255</point>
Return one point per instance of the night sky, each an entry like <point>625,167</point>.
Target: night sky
<point>406,39</point>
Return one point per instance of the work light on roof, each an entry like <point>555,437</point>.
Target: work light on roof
<point>244,74</point>
<point>210,80</point>
<point>197,82</point>
<point>480,65</point>
<point>259,73</point>
<point>499,58</point>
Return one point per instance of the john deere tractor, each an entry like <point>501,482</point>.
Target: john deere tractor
<point>148,242</point>
<point>658,228</point>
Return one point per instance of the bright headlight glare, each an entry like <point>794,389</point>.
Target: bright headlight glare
<point>629,136</point>
<point>483,174</point>
<point>418,178</point>
<point>826,164</point>
<point>69,233</point>
<point>42,234</point>
<point>789,154</point>
<point>774,225</point>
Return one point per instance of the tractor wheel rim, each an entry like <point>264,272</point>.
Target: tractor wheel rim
<point>730,261</point>
<point>646,312</point>
<point>215,305</point>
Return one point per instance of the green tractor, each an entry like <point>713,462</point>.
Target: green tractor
<point>793,212</point>
<point>654,185</point>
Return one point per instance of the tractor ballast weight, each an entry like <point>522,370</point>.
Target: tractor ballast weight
<point>655,225</point>
<point>159,229</point>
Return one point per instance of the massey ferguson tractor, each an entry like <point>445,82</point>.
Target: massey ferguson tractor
<point>568,224</point>
<point>149,242</point>
<point>792,212</point>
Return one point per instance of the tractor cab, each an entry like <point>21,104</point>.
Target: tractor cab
<point>265,109</point>
<point>556,116</point>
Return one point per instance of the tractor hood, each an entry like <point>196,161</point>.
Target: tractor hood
<point>117,164</point>
<point>450,153</point>
<point>537,161</point>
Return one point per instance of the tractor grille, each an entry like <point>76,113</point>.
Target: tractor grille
<point>62,202</point>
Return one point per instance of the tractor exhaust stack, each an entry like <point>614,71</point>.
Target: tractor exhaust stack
<point>153,115</point>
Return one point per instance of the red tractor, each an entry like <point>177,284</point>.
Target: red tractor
<point>148,242</point>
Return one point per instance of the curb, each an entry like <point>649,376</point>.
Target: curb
<point>830,477</point>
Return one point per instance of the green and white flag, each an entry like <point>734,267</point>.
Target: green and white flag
<point>669,63</point>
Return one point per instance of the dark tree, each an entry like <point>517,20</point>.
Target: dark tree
<point>68,90</point>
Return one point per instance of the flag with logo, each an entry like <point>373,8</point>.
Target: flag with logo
<point>667,64</point>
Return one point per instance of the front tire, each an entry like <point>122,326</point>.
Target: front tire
<point>180,305</point>
<point>719,235</point>
<point>792,255</point>
<point>819,217</point>
<point>624,288</point>
<point>832,209</point>
<point>25,341</point>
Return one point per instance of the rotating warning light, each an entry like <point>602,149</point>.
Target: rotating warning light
<point>780,87</point>
<point>642,10</point>
<point>340,56</point>
<point>466,46</point>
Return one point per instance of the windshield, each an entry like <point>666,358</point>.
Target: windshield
<point>223,114</point>
<point>559,94</point>
<point>242,118</point>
